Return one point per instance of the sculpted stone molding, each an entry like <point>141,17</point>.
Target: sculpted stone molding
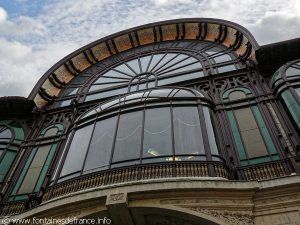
<point>117,197</point>
<point>204,201</point>
<point>231,217</point>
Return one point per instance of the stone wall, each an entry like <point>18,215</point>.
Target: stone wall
<point>184,201</point>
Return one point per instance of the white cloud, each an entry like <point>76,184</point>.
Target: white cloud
<point>13,50</point>
<point>21,67</point>
<point>3,15</point>
<point>169,2</point>
<point>31,45</point>
<point>22,27</point>
<point>276,27</point>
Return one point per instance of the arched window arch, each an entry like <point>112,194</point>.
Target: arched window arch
<point>171,62</point>
<point>34,171</point>
<point>252,138</point>
<point>157,125</point>
<point>286,85</point>
<point>11,136</point>
<point>155,69</point>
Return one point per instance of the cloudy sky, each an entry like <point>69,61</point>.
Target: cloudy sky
<point>35,34</point>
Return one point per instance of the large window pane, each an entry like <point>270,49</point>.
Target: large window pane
<point>101,144</point>
<point>187,131</point>
<point>34,170</point>
<point>210,131</point>
<point>128,140</point>
<point>157,132</point>
<point>250,133</point>
<point>77,151</point>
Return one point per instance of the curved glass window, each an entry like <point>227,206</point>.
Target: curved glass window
<point>144,96</point>
<point>252,138</point>
<point>11,136</point>
<point>37,165</point>
<point>292,104</point>
<point>286,83</point>
<point>137,128</point>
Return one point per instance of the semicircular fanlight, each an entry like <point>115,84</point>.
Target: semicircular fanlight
<point>150,71</point>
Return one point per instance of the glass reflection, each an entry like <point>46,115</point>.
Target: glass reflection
<point>157,133</point>
<point>77,151</point>
<point>128,140</point>
<point>101,144</point>
<point>210,131</point>
<point>161,134</point>
<point>187,132</point>
<point>34,170</point>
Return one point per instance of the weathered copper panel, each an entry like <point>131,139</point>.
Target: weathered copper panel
<point>242,49</point>
<point>63,74</point>
<point>191,30</point>
<point>39,101</point>
<point>146,36</point>
<point>123,43</point>
<point>100,51</point>
<point>230,38</point>
<point>212,32</point>
<point>50,88</point>
<point>169,32</point>
<point>80,62</point>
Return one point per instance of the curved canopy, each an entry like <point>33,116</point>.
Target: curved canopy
<point>232,36</point>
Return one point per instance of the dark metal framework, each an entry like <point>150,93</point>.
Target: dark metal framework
<point>62,94</point>
<point>233,36</point>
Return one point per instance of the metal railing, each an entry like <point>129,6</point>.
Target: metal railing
<point>136,173</point>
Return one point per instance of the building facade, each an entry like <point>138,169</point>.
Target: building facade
<point>187,121</point>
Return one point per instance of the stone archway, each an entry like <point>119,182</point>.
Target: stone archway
<point>163,216</point>
<point>148,212</point>
<point>153,216</point>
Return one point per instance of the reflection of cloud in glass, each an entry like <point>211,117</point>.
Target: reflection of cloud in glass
<point>153,152</point>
